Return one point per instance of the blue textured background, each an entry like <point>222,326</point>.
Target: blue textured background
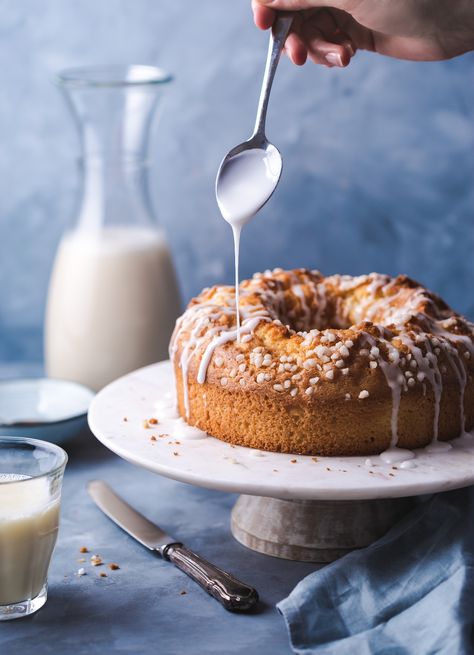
<point>379,158</point>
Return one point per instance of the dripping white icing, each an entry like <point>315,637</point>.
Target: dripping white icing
<point>167,409</point>
<point>438,447</point>
<point>407,464</point>
<point>244,184</point>
<point>456,361</point>
<point>236,232</point>
<point>203,339</point>
<point>181,430</point>
<point>395,381</point>
<point>247,327</point>
<point>258,453</point>
<point>433,375</point>
<point>395,455</point>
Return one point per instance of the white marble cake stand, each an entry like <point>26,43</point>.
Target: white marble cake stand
<point>304,508</point>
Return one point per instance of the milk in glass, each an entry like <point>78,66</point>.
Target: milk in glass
<point>29,520</point>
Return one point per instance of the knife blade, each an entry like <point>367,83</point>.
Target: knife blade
<point>234,595</point>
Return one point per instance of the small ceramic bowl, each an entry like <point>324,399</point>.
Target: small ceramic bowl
<point>43,408</point>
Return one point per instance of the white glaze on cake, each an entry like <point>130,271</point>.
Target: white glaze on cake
<point>395,325</point>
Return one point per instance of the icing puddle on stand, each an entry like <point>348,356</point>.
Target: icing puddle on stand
<point>405,459</point>
<point>171,423</point>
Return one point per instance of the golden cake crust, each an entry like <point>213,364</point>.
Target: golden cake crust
<point>325,366</point>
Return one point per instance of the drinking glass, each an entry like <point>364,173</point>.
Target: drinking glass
<point>31,474</point>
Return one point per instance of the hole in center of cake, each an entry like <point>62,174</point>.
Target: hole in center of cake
<point>327,315</point>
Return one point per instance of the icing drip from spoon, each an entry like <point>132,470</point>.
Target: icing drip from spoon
<point>236,231</point>
<point>245,182</point>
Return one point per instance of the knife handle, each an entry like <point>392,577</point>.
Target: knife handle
<point>234,595</point>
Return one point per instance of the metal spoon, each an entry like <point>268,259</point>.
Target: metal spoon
<point>256,157</point>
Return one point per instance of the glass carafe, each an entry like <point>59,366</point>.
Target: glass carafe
<point>113,297</point>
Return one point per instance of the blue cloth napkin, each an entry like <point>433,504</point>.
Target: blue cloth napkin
<point>409,593</point>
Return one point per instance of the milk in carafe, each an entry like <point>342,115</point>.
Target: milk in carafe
<point>112,304</point>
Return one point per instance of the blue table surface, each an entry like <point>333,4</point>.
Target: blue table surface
<point>141,608</point>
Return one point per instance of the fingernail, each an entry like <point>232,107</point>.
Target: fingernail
<point>334,59</point>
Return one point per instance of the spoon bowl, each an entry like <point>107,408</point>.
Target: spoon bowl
<point>247,178</point>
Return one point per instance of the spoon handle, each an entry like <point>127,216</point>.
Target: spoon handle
<point>280,30</point>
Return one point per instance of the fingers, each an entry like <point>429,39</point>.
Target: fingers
<point>295,49</point>
<point>262,16</point>
<point>316,33</point>
<point>327,47</point>
<point>330,54</point>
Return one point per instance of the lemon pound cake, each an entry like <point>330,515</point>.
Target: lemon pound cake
<point>333,365</point>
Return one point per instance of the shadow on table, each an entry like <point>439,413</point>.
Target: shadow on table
<point>86,448</point>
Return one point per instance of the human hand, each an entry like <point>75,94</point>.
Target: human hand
<point>420,30</point>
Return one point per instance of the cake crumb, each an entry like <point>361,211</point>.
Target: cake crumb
<point>176,454</point>
<point>293,461</point>
<point>83,549</point>
<point>81,560</point>
<point>152,438</point>
<point>96,560</point>
<point>153,421</point>
<point>315,459</point>
<point>113,567</point>
<point>102,574</point>
<point>183,593</point>
<point>81,572</point>
<point>275,470</point>
<point>125,419</point>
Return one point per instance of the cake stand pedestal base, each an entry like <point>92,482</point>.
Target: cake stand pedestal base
<point>313,530</point>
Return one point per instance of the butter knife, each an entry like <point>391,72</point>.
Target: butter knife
<point>234,595</point>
